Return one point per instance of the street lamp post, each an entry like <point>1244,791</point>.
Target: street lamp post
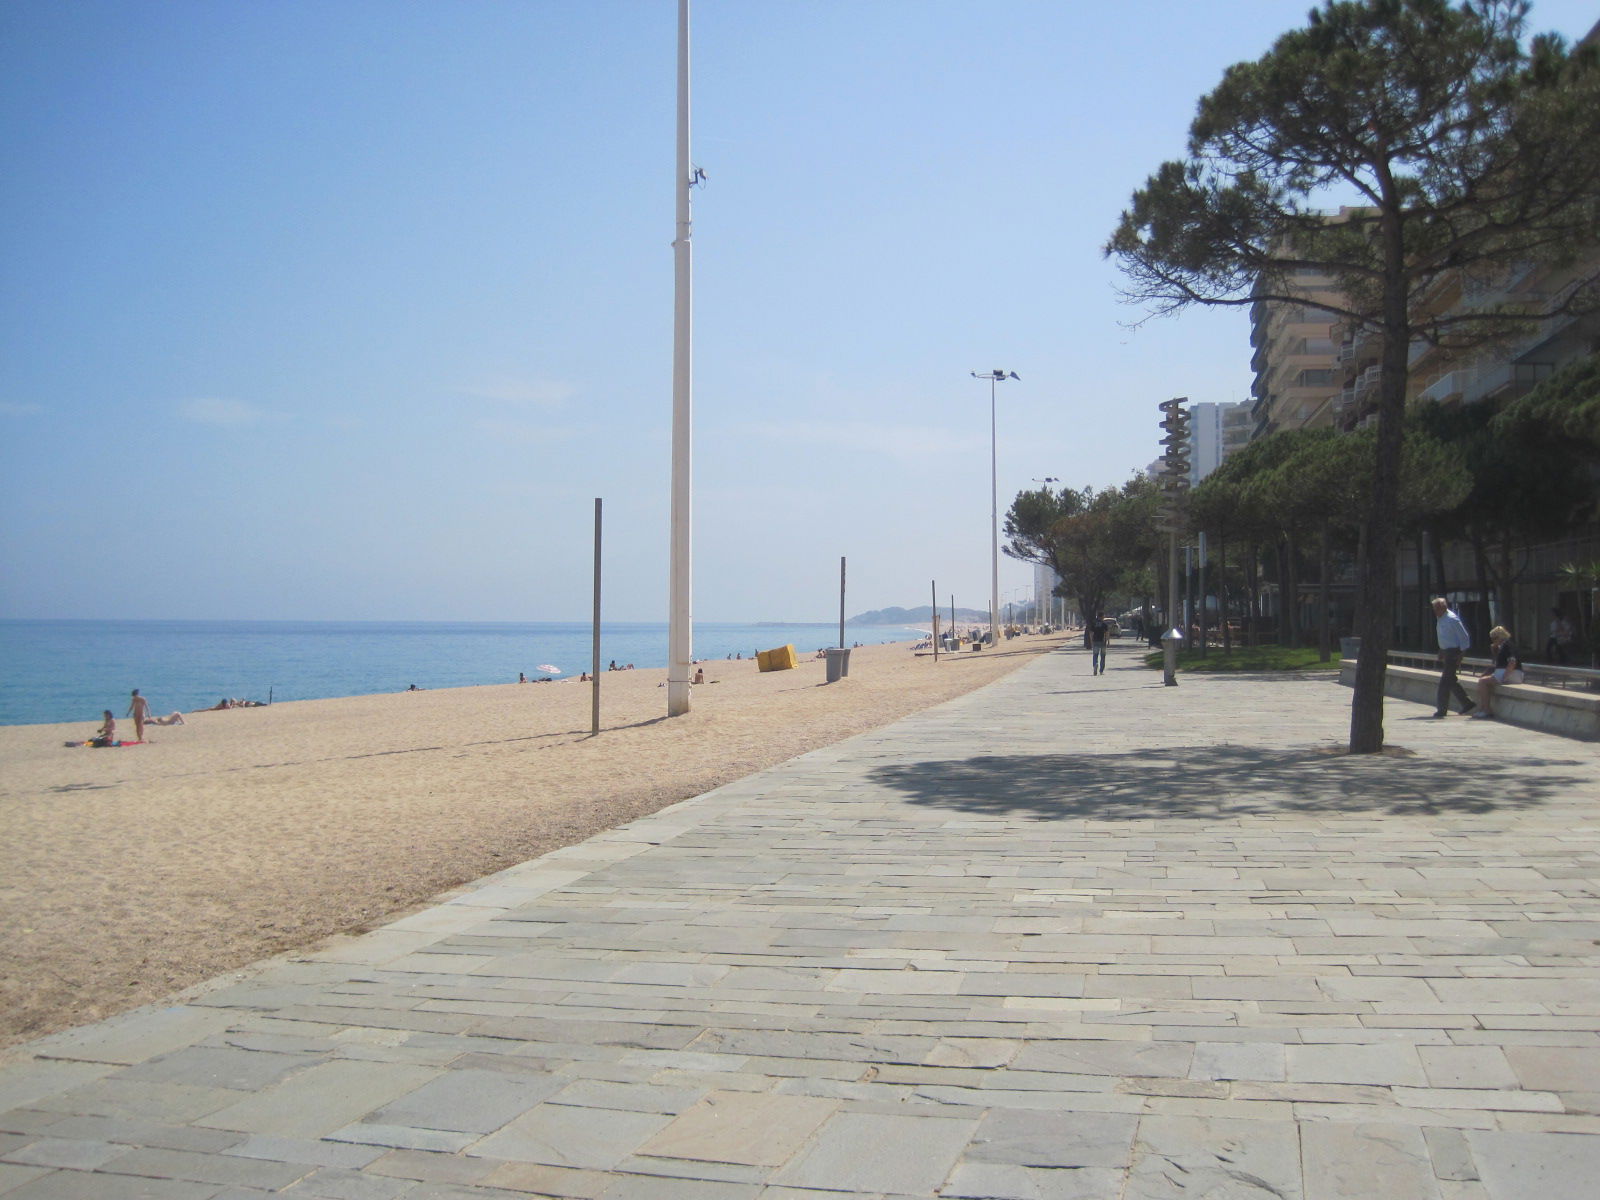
<point>680,625</point>
<point>994,377</point>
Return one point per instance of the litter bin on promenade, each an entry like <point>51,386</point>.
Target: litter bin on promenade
<point>838,663</point>
<point>1349,647</point>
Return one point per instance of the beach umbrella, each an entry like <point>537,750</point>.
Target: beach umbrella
<point>549,670</point>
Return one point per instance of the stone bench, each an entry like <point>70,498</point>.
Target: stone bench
<point>1550,710</point>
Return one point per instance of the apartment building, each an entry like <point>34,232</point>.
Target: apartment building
<point>1215,431</point>
<point>1296,358</point>
<point>1504,369</point>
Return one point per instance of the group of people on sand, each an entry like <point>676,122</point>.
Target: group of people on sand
<point>139,710</point>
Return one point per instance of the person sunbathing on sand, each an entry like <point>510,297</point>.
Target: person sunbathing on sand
<point>175,719</point>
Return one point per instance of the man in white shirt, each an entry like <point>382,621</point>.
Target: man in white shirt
<point>1453,643</point>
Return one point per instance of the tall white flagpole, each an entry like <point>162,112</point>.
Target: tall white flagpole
<point>994,521</point>
<point>680,627</point>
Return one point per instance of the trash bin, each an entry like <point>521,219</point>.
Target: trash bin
<point>838,663</point>
<point>1349,647</point>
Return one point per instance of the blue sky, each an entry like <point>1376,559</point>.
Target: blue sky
<point>349,309</point>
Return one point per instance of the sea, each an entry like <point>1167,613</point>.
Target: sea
<point>54,671</point>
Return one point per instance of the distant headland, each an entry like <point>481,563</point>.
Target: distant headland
<point>915,616</point>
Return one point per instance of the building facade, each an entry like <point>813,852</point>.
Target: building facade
<point>1295,359</point>
<point>1216,431</point>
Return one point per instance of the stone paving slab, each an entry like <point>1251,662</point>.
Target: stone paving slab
<point>1013,947</point>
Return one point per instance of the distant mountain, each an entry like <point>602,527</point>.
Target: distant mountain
<point>917,616</point>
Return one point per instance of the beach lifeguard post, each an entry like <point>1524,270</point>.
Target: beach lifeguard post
<point>781,659</point>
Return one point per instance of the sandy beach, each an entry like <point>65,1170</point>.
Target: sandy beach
<point>129,874</point>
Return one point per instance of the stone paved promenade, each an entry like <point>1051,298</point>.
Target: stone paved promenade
<point>1064,937</point>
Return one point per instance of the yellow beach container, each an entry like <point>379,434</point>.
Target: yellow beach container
<point>781,659</point>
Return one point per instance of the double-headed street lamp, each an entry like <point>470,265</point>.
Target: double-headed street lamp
<point>994,377</point>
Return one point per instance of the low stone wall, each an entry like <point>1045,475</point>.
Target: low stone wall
<point>1551,710</point>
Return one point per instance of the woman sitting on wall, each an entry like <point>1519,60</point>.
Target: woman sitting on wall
<point>1507,669</point>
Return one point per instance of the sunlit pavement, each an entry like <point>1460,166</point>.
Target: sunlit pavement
<point>1068,936</point>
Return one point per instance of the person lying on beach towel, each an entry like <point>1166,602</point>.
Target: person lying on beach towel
<point>175,719</point>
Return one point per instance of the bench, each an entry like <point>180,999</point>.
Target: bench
<point>1529,705</point>
<point>1547,674</point>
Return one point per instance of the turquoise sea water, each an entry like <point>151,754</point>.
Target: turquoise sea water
<point>54,671</point>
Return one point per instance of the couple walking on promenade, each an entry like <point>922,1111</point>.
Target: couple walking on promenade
<point>999,948</point>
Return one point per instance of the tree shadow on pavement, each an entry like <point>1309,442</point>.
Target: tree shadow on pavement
<point>1228,782</point>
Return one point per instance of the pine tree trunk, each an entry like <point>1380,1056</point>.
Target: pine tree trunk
<point>1222,595</point>
<point>1326,646</point>
<point>1508,601</point>
<point>1375,576</point>
<point>1441,585</point>
<point>1285,629</point>
<point>1253,578</point>
<point>1480,627</point>
<point>1291,554</point>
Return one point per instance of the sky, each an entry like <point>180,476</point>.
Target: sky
<point>350,309</point>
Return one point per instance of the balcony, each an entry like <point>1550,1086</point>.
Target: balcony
<point>1366,381</point>
<point>1440,292</point>
<point>1479,295</point>
<point>1449,386</point>
<point>1319,377</point>
<point>1489,379</point>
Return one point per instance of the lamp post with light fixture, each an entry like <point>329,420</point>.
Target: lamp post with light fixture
<point>994,377</point>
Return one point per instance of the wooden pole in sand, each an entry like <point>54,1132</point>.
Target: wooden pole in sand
<point>934,609</point>
<point>594,668</point>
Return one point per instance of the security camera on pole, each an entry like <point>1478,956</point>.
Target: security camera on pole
<point>1174,487</point>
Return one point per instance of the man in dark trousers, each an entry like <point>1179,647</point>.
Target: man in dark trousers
<point>1453,643</point>
<point>1098,632</point>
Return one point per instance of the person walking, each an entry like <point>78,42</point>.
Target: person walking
<point>1098,632</point>
<point>1453,643</point>
<point>139,710</point>
<point>1560,640</point>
